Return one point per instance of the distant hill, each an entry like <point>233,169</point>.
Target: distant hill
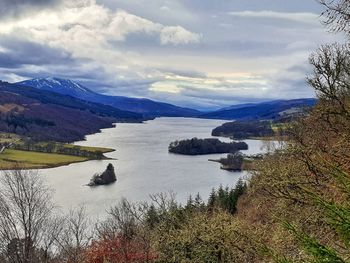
<point>265,110</point>
<point>44,115</point>
<point>147,107</point>
<point>241,130</point>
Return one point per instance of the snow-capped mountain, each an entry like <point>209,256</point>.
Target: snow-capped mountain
<point>62,86</point>
<point>147,107</point>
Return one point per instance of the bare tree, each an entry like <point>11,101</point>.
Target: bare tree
<point>337,14</point>
<point>127,223</point>
<point>75,236</point>
<point>53,230</point>
<point>26,207</point>
<point>330,79</point>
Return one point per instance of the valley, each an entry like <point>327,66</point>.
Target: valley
<point>42,115</point>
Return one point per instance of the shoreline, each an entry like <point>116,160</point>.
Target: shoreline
<point>247,165</point>
<point>26,164</point>
<point>40,167</point>
<point>52,160</point>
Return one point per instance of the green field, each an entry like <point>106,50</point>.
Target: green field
<point>17,156</point>
<point>33,160</point>
<point>90,149</point>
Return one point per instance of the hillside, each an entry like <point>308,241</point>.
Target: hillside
<point>265,110</point>
<point>44,115</point>
<point>244,129</point>
<point>147,107</point>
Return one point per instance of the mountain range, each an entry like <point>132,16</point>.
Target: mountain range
<point>264,110</point>
<point>45,115</point>
<point>150,109</point>
<point>63,110</point>
<point>147,107</point>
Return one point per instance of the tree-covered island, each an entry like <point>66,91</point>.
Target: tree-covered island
<point>197,146</point>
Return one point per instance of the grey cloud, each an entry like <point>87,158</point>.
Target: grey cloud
<point>17,53</point>
<point>291,83</point>
<point>131,87</point>
<point>230,45</point>
<point>220,5</point>
<point>302,69</point>
<point>10,8</point>
<point>206,100</point>
<point>293,88</point>
<point>301,17</point>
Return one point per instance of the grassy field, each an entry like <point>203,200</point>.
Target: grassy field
<point>16,157</point>
<point>11,159</point>
<point>67,145</point>
<point>90,149</point>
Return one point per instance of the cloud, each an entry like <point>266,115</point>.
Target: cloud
<point>15,53</point>
<point>165,87</point>
<point>178,35</point>
<point>303,17</point>
<point>191,53</point>
<point>91,23</point>
<point>10,8</point>
<point>123,24</point>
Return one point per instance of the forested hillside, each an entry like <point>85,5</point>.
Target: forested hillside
<point>44,115</point>
<point>244,129</point>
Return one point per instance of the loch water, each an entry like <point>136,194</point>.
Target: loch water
<point>143,165</point>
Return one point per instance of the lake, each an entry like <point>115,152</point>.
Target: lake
<point>143,165</point>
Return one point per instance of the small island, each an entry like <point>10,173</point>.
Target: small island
<point>237,162</point>
<point>197,146</point>
<point>233,162</point>
<point>107,177</point>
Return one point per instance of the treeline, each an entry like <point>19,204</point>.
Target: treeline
<point>48,122</point>
<point>54,147</point>
<point>153,231</point>
<point>226,198</point>
<point>197,146</point>
<point>16,121</point>
<point>47,116</point>
<point>244,129</point>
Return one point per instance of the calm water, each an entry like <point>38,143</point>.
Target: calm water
<point>143,165</point>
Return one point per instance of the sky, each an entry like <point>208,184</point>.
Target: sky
<point>203,54</point>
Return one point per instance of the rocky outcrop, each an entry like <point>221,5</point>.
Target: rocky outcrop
<point>107,177</point>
